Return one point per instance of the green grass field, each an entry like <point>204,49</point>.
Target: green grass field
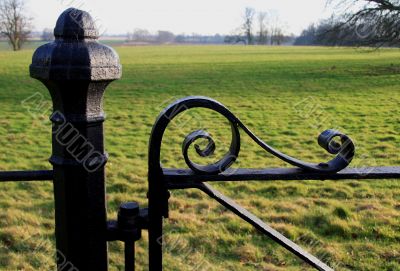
<point>286,95</point>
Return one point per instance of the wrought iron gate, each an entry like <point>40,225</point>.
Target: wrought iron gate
<point>77,69</point>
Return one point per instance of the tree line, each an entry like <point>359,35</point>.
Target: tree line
<point>331,32</point>
<point>359,23</point>
<point>259,27</point>
<point>374,23</point>
<point>143,36</point>
<point>256,28</point>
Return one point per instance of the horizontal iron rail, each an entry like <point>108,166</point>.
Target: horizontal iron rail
<point>175,176</point>
<point>38,175</point>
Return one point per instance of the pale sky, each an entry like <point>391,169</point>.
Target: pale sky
<point>178,16</point>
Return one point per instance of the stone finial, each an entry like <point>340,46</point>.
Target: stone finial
<point>75,54</point>
<point>75,24</point>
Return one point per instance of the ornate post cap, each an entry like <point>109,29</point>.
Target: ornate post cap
<point>75,54</point>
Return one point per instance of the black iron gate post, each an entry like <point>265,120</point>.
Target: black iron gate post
<point>77,69</point>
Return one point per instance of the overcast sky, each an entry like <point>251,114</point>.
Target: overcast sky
<point>178,16</point>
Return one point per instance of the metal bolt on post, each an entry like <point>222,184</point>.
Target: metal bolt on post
<point>128,220</point>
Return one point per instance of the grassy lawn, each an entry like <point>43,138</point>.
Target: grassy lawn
<point>286,95</point>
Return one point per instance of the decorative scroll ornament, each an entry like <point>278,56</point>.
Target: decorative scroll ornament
<point>344,150</point>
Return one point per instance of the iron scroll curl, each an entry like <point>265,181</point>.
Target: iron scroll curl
<point>159,187</point>
<point>344,150</point>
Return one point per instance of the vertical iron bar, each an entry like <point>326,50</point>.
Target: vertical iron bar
<point>156,204</point>
<point>129,256</point>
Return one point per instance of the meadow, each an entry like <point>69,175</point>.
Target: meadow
<point>285,95</point>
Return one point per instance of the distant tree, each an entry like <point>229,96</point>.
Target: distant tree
<point>375,22</point>
<point>141,35</point>
<point>218,38</point>
<point>47,35</point>
<point>329,32</point>
<point>15,25</point>
<point>277,36</point>
<point>274,28</point>
<point>165,37</point>
<point>180,38</point>
<point>235,37</point>
<point>262,28</point>
<point>308,36</point>
<point>248,18</point>
<point>128,36</point>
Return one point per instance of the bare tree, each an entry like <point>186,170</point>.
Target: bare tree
<point>248,18</point>
<point>141,35</point>
<point>277,36</point>
<point>15,25</point>
<point>375,22</point>
<point>262,28</point>
<point>236,37</point>
<point>165,37</point>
